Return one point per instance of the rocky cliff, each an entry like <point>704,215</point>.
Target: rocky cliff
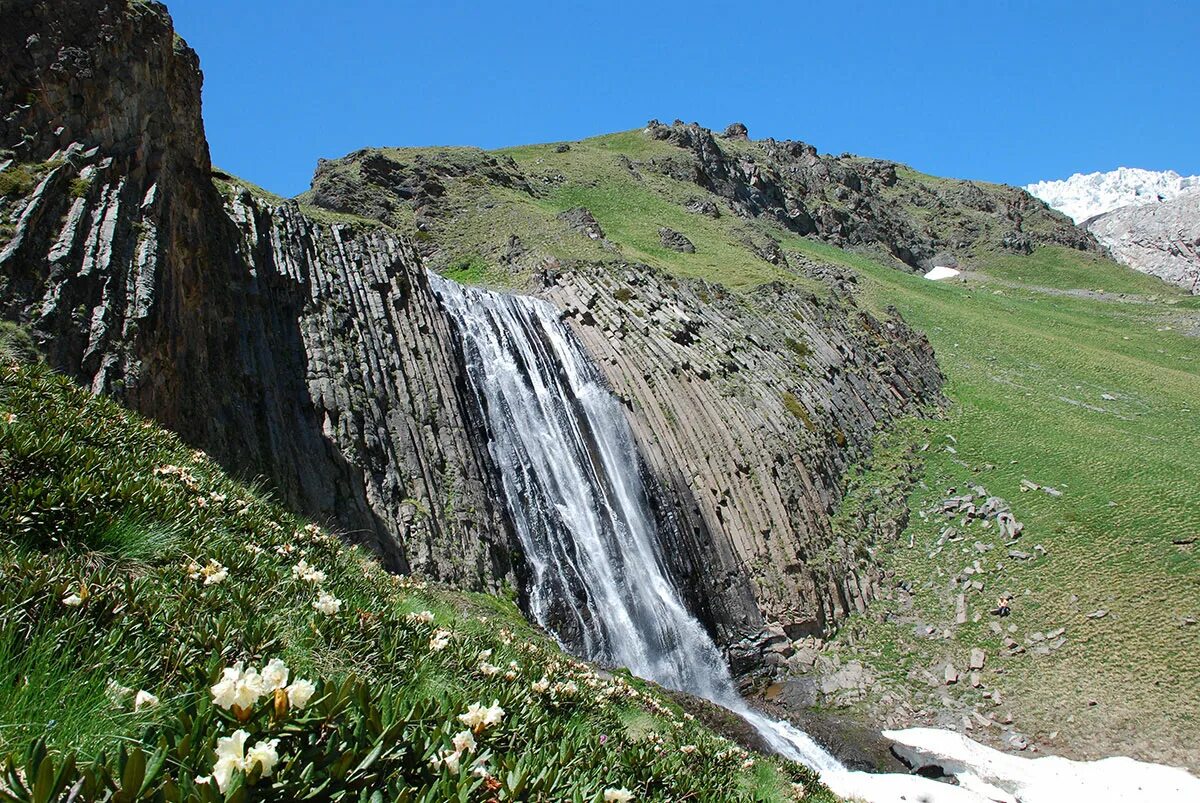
<point>1162,239</point>
<point>749,410</point>
<point>750,404</point>
<point>304,345</point>
<point>309,353</point>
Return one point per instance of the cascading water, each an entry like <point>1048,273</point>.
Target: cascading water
<point>570,472</point>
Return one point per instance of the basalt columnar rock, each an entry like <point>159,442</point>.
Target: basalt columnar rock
<point>304,344</point>
<point>749,409</point>
<point>310,353</point>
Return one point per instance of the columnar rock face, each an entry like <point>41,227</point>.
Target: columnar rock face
<point>748,410</point>
<point>310,350</point>
<point>312,354</point>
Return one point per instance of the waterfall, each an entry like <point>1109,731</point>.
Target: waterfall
<point>569,468</point>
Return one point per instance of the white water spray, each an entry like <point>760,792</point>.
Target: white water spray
<point>569,467</point>
<point>572,483</point>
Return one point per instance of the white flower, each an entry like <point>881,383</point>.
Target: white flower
<point>327,604</point>
<point>238,688</point>
<point>144,699</point>
<point>478,717</point>
<point>274,675</point>
<point>72,600</point>
<point>440,640</point>
<point>422,618</point>
<point>300,692</point>
<point>116,693</point>
<point>484,655</point>
<point>464,742</point>
<point>453,762</point>
<point>266,755</point>
<point>307,573</point>
<point>748,763</point>
<point>617,796</point>
<point>540,686</point>
<point>688,749</point>
<point>202,780</point>
<point>231,756</point>
<point>487,670</point>
<point>212,573</point>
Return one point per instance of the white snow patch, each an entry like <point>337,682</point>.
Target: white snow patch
<point>984,774</point>
<point>1084,196</point>
<point>941,272</point>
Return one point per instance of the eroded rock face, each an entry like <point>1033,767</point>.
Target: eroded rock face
<point>748,410</point>
<point>1162,239</point>
<point>312,354</point>
<point>853,201</point>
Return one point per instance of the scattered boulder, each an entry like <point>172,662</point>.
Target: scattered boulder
<point>562,148</point>
<point>675,241</point>
<point>580,219</point>
<point>736,131</point>
<point>978,657</point>
<point>703,206</point>
<point>951,675</point>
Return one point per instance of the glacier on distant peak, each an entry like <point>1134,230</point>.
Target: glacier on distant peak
<point>1083,196</point>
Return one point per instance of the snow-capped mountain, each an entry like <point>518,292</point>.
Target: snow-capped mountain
<point>1147,219</point>
<point>1083,196</point>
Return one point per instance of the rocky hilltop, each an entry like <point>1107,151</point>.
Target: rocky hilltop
<point>302,343</point>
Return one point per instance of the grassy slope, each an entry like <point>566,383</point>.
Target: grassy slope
<point>1028,368</point>
<point>1029,346</point>
<point>99,503</point>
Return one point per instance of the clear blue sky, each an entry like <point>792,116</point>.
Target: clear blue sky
<point>985,89</point>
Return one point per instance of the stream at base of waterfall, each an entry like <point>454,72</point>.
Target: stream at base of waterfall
<point>572,481</point>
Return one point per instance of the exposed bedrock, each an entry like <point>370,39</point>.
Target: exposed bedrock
<point>312,354</point>
<point>749,408</point>
<point>309,349</point>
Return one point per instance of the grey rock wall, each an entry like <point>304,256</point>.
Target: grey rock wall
<point>311,354</point>
<point>1162,239</point>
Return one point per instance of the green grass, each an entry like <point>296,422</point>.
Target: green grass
<point>97,504</point>
<point>1064,269</point>
<point>1095,397</point>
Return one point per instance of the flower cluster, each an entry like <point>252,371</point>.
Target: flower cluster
<point>240,689</point>
<point>327,603</point>
<point>308,574</point>
<point>617,795</point>
<point>440,639</point>
<point>212,572</point>
<point>480,717</point>
<point>464,744</point>
<point>184,475</point>
<point>231,755</point>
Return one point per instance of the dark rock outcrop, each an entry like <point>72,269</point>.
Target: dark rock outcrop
<point>858,202</point>
<point>311,354</point>
<point>675,240</point>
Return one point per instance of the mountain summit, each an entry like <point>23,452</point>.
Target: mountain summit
<point>1083,196</point>
<point>1147,219</point>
